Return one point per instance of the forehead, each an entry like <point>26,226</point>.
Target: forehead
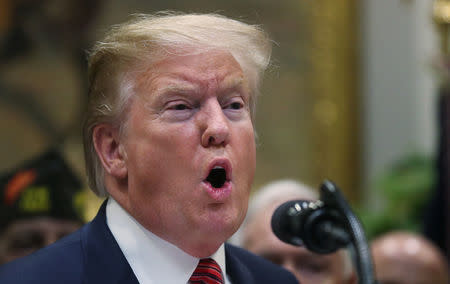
<point>207,69</point>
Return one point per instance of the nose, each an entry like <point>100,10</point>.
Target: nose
<point>214,125</point>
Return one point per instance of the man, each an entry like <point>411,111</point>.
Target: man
<point>169,138</point>
<point>40,202</point>
<point>308,267</point>
<point>403,257</point>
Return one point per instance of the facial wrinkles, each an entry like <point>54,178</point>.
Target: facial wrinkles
<point>212,79</point>
<point>239,85</point>
<point>224,82</point>
<point>198,95</point>
<point>210,85</point>
<point>172,84</point>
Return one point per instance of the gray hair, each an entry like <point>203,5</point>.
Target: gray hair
<point>129,48</point>
<point>277,192</point>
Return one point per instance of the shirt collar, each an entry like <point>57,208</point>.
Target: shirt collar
<point>152,259</point>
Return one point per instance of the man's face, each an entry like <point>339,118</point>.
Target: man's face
<point>190,150</point>
<point>308,267</point>
<point>26,236</point>
<point>401,258</point>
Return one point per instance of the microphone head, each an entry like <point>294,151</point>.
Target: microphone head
<point>285,221</point>
<point>311,224</point>
<point>324,232</point>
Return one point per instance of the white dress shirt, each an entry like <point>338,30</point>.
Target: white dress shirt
<point>152,259</point>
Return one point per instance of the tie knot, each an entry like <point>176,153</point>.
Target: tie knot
<point>207,272</point>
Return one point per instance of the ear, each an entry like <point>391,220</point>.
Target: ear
<point>110,150</point>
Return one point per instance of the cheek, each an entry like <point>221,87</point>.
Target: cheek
<point>164,146</point>
<point>247,151</point>
<point>245,155</point>
<point>177,143</point>
<point>246,140</point>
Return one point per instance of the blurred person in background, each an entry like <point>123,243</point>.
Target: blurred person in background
<point>408,258</point>
<point>40,202</point>
<point>256,235</point>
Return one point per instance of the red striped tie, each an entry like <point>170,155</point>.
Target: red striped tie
<point>207,272</point>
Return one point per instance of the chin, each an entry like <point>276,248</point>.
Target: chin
<point>224,225</point>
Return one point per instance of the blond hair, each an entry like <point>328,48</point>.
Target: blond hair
<point>130,47</point>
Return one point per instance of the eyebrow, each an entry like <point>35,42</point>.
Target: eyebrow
<point>233,83</point>
<point>176,89</point>
<point>186,87</point>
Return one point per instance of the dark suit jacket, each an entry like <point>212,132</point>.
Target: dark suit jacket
<point>92,255</point>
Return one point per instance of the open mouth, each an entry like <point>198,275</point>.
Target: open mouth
<point>217,177</point>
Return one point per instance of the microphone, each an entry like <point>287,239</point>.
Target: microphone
<point>324,226</point>
<point>311,224</point>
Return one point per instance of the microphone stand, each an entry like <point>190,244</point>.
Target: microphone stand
<point>333,199</point>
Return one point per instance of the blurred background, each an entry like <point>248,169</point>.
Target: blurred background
<point>355,93</point>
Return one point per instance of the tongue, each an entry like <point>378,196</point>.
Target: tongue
<point>217,178</point>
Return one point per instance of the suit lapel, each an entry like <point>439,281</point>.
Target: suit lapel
<point>104,261</point>
<point>236,269</point>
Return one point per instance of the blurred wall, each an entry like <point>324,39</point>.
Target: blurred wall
<point>399,45</point>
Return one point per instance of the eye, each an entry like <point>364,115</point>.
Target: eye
<point>236,105</point>
<point>178,110</point>
<point>179,106</point>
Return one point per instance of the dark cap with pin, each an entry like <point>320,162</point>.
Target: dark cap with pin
<point>44,186</point>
